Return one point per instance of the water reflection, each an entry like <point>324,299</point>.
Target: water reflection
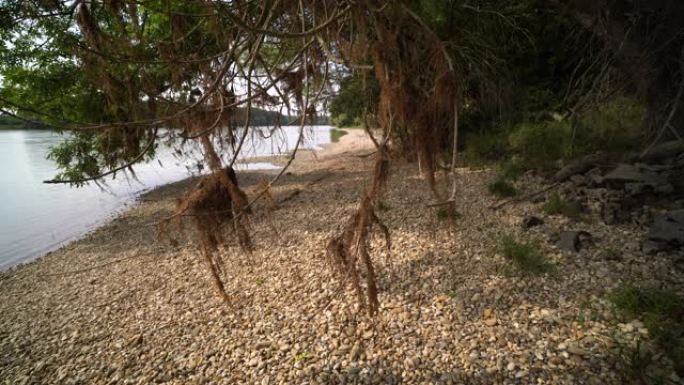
<point>36,218</point>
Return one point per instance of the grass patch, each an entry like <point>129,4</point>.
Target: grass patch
<point>635,301</point>
<point>661,311</point>
<point>502,189</point>
<point>525,256</point>
<point>557,205</point>
<point>303,356</point>
<point>336,134</point>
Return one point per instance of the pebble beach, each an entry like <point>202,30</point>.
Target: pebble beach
<point>124,306</point>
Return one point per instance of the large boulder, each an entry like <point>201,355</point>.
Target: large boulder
<point>666,232</point>
<point>636,179</point>
<point>571,240</point>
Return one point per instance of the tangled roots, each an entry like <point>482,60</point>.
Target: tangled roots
<point>346,249</point>
<point>210,204</point>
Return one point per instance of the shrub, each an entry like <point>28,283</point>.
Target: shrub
<point>634,301</point>
<point>336,134</point>
<point>511,169</point>
<point>540,145</point>
<point>557,205</point>
<point>661,311</point>
<point>612,127</point>
<point>484,147</point>
<point>502,189</point>
<point>525,256</point>
<point>341,120</point>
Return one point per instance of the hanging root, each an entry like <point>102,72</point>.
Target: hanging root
<point>210,204</point>
<point>346,249</point>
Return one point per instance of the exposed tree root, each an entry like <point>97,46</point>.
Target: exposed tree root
<point>210,204</point>
<point>346,249</point>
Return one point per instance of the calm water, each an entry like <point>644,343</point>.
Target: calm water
<point>36,218</point>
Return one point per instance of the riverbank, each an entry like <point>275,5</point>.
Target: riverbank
<point>122,306</point>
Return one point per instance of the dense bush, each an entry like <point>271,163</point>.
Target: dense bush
<point>612,127</point>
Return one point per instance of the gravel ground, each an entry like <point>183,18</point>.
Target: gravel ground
<point>122,307</point>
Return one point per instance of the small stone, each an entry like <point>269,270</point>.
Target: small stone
<point>571,240</point>
<point>490,321</point>
<point>521,374</point>
<point>576,350</point>
<point>262,345</point>
<point>136,340</point>
<point>511,366</point>
<point>353,355</point>
<point>531,221</point>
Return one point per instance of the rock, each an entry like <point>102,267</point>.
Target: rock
<point>629,174</point>
<point>511,366</point>
<point>490,321</point>
<point>571,240</point>
<point>262,345</point>
<point>579,179</point>
<point>576,350</point>
<point>531,221</point>
<point>521,374</point>
<point>135,340</point>
<point>666,233</point>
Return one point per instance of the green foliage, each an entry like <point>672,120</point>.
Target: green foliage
<point>9,122</point>
<point>636,362</point>
<point>662,312</point>
<point>502,189</point>
<point>358,95</point>
<point>612,127</point>
<point>511,169</point>
<point>634,301</point>
<point>557,205</point>
<point>540,145</point>
<point>525,256</point>
<point>484,147</point>
<point>303,356</point>
<point>335,135</point>
<point>341,120</point>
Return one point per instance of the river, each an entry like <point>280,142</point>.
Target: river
<point>36,218</point>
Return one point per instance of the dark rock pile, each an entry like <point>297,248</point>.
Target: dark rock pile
<point>648,194</point>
